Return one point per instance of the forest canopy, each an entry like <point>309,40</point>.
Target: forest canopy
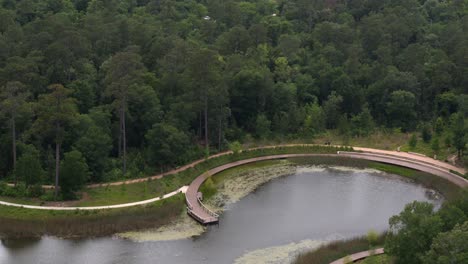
<point>128,87</point>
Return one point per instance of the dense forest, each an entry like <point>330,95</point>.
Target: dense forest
<point>103,89</point>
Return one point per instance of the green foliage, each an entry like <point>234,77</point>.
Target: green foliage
<point>332,109</point>
<point>435,145</point>
<point>401,109</point>
<point>426,133</point>
<point>363,123</point>
<point>411,232</point>
<point>75,172</point>
<point>235,147</point>
<point>208,188</point>
<point>95,145</point>
<point>262,126</point>
<point>459,138</point>
<point>372,238</point>
<point>29,168</point>
<point>413,141</point>
<point>210,73</point>
<point>167,145</point>
<point>449,247</point>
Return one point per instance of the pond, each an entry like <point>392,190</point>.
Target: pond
<point>285,216</point>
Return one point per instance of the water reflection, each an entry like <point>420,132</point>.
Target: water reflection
<point>14,244</point>
<point>311,205</point>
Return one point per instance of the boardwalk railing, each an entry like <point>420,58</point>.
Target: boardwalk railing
<point>207,210</point>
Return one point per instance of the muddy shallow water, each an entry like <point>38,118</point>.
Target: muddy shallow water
<point>271,225</point>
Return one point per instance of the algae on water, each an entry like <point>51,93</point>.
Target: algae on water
<point>279,254</point>
<point>241,183</point>
<point>182,228</point>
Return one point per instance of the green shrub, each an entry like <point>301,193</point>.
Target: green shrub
<point>35,191</point>
<point>372,238</point>
<point>426,133</point>
<point>413,141</point>
<point>3,187</point>
<point>235,147</point>
<point>208,188</point>
<point>48,196</point>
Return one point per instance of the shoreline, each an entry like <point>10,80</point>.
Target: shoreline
<point>237,183</point>
<point>29,218</point>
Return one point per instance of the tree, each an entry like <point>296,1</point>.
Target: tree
<point>205,72</point>
<point>262,126</point>
<point>94,142</point>
<point>315,119</point>
<point>123,70</point>
<point>13,103</point>
<point>363,123</point>
<point>75,173</point>
<point>29,168</point>
<point>400,109</point>
<point>459,133</point>
<point>426,133</point>
<point>332,109</point>
<point>56,111</point>
<point>166,144</point>
<point>449,247</point>
<point>439,126</point>
<point>435,145</point>
<point>411,232</point>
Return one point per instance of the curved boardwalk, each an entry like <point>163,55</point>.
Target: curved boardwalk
<point>203,215</point>
<point>197,210</point>
<point>417,157</point>
<point>359,256</point>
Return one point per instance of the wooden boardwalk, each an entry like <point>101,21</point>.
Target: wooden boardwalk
<point>359,256</point>
<point>418,157</point>
<point>198,211</point>
<point>203,215</point>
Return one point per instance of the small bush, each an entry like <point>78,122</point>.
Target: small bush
<point>35,191</point>
<point>413,141</point>
<point>426,133</point>
<point>235,147</point>
<point>48,196</point>
<point>208,188</point>
<point>3,187</point>
<point>372,238</point>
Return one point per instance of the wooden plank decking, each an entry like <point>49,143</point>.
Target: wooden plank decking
<point>203,215</point>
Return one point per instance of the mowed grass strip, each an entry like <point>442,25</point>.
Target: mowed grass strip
<point>19,222</point>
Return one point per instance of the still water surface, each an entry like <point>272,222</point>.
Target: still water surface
<point>309,206</point>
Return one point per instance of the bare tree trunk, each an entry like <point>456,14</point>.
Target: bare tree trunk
<point>207,145</point>
<point>219,134</point>
<point>120,133</point>
<point>57,163</point>
<point>199,124</point>
<point>13,145</point>
<point>124,143</point>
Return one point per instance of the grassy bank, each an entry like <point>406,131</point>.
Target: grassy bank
<point>381,259</point>
<point>337,250</point>
<point>24,222</point>
<point>20,222</point>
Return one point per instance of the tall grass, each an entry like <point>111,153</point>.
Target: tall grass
<point>19,222</point>
<point>336,250</point>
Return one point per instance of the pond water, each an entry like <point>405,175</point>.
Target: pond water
<point>271,225</point>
